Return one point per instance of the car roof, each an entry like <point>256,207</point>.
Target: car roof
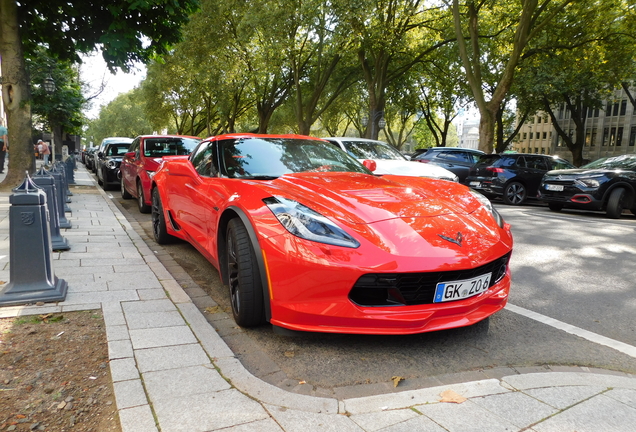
<point>356,139</point>
<point>167,136</point>
<point>116,139</point>
<point>457,149</point>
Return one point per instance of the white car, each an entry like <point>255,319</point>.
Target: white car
<point>388,160</point>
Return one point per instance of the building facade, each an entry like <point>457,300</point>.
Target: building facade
<point>609,131</point>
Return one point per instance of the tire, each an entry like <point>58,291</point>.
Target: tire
<point>515,193</point>
<point>555,207</point>
<point>99,180</point>
<point>124,192</point>
<point>159,230</point>
<point>143,207</point>
<point>244,281</point>
<point>616,203</point>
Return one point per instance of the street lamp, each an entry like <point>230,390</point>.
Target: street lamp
<point>49,87</point>
<point>378,117</point>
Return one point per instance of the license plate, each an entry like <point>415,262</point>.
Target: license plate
<point>553,187</point>
<point>462,289</point>
<point>475,184</point>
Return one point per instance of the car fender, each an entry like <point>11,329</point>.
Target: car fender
<point>230,213</point>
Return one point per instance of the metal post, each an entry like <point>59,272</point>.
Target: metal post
<point>46,181</point>
<point>31,265</point>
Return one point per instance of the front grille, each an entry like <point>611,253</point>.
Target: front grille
<point>407,289</point>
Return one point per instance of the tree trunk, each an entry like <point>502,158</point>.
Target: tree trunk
<point>487,123</point>
<point>16,97</point>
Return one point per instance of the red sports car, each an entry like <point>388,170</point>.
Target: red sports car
<point>308,239</point>
<point>142,160</point>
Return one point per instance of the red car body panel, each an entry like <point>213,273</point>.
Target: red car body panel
<point>397,220</point>
<point>135,165</point>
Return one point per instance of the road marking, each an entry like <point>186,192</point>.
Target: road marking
<point>585,334</point>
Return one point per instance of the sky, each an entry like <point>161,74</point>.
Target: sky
<point>93,70</point>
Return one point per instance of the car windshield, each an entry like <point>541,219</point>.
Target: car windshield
<point>159,147</point>
<point>372,150</point>
<point>117,149</point>
<point>615,162</point>
<point>273,157</point>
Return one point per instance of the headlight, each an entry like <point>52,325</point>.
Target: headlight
<point>587,183</point>
<point>307,224</point>
<point>486,203</point>
<point>112,164</point>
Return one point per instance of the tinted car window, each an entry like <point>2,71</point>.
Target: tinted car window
<point>202,159</point>
<point>536,162</point>
<point>453,156</point>
<point>615,162</point>
<point>116,149</point>
<point>372,150</point>
<point>158,147</point>
<point>487,160</point>
<point>557,163</point>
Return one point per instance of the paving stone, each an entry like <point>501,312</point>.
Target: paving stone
<point>214,411</point>
<point>293,420</point>
<point>371,422</point>
<point>123,369</point>
<point>164,336</point>
<point>137,419</point>
<point>465,417</point>
<point>153,319</point>
<point>601,413</point>
<point>151,294</point>
<point>177,383</point>
<point>119,349</point>
<point>517,408</point>
<point>157,305</point>
<point>178,356</point>
<point>117,332</point>
<point>129,394</point>
<point>564,396</point>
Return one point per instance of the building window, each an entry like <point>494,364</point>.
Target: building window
<point>525,135</point>
<point>619,136</point>
<point>612,136</point>
<point>608,109</point>
<point>538,119</point>
<point>623,107</point>
<point>632,136</point>
<point>588,136</point>
<point>536,149</point>
<point>545,135</point>
<point>605,136</point>
<point>593,141</point>
<point>542,150</point>
<point>530,135</point>
<point>615,112</point>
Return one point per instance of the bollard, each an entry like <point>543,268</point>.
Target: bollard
<point>31,265</point>
<point>45,180</point>
<point>59,169</point>
<point>70,171</point>
<point>64,223</point>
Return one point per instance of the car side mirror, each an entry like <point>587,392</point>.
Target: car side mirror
<point>370,164</point>
<point>100,154</point>
<point>130,155</point>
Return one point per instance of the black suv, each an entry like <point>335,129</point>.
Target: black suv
<point>514,176</point>
<point>455,159</point>
<point>606,184</point>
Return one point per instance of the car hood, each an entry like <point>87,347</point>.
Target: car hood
<point>410,168</point>
<point>406,216</point>
<point>363,198</point>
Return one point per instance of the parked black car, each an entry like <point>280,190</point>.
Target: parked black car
<point>107,161</point>
<point>607,184</point>
<point>455,159</point>
<point>514,177</point>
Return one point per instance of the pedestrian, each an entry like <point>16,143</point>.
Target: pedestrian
<point>4,145</point>
<point>46,151</point>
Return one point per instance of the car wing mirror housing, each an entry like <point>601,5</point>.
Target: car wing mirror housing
<point>370,164</point>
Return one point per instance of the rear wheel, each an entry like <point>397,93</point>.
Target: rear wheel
<point>141,201</point>
<point>515,193</point>
<point>555,207</point>
<point>616,203</point>
<point>159,230</point>
<point>246,290</point>
<point>124,192</point>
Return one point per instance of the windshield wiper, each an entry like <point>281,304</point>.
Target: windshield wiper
<point>258,177</point>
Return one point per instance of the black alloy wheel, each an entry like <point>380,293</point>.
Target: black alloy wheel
<point>515,193</point>
<point>244,281</point>
<point>141,202</point>
<point>159,230</point>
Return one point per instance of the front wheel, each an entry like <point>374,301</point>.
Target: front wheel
<point>515,193</point>
<point>246,290</point>
<point>141,200</point>
<point>616,203</point>
<point>159,230</point>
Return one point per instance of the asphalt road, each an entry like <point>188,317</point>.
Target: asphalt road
<point>571,266</point>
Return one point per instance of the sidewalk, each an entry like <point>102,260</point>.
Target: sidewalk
<point>172,372</point>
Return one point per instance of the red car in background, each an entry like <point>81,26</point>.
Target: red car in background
<point>142,160</point>
<point>307,238</point>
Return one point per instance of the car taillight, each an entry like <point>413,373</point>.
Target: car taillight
<point>494,170</point>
